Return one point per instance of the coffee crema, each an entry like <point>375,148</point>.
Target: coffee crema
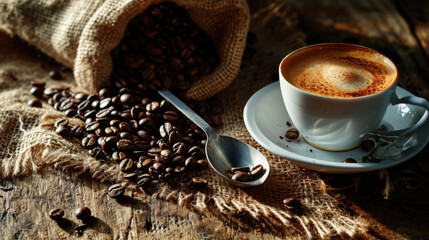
<point>344,72</point>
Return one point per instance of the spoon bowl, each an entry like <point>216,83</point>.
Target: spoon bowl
<point>224,152</point>
<point>227,152</point>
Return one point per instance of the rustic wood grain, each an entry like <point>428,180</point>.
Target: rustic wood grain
<point>400,34</point>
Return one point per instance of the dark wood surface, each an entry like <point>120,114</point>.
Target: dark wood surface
<point>397,28</point>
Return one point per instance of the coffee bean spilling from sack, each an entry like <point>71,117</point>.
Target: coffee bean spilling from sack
<point>128,123</point>
<point>148,138</point>
<point>162,47</point>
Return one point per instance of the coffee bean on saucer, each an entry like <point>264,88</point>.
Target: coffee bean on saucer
<point>56,214</point>
<point>292,133</point>
<point>350,160</point>
<point>83,213</point>
<point>367,145</point>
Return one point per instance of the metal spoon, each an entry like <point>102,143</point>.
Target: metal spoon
<point>223,152</point>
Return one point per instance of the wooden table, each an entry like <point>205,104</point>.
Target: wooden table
<point>397,28</point>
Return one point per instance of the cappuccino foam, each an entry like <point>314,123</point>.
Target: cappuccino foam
<point>339,72</point>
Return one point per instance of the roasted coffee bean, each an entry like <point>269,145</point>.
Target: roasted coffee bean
<point>199,182</point>
<point>127,98</point>
<point>174,137</point>
<point>178,160</point>
<point>126,127</point>
<point>56,214</point>
<point>367,145</point>
<point>118,156</point>
<point>154,151</point>
<point>63,131</point>
<point>165,130</point>
<point>144,135</point>
<point>66,104</point>
<point>292,203</point>
<point>229,173</point>
<point>180,169</point>
<point>83,213</point>
<point>257,171</point>
<point>39,84</point>
<point>35,103</point>
<point>143,180</point>
<point>61,122</point>
<point>159,166</point>
<point>78,131</point>
<point>350,160</point>
<point>167,154</point>
<point>179,148</point>
<point>37,92</point>
<point>241,176</point>
<point>292,133</point>
<point>92,126</point>
<point>240,169</point>
<point>88,142</point>
<point>104,113</point>
<point>202,164</point>
<point>54,74</point>
<point>116,190</point>
<point>144,163</point>
<point>105,103</point>
<point>190,162</point>
<point>142,145</point>
<point>126,165</point>
<point>71,112</point>
<point>147,124</point>
<point>170,116</point>
<point>126,145</point>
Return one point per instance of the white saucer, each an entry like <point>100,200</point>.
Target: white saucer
<point>265,117</point>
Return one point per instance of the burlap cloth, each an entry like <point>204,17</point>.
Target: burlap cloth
<point>26,147</point>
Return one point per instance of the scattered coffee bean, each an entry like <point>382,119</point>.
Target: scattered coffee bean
<point>199,182</point>
<point>83,213</point>
<point>116,190</point>
<point>292,203</point>
<point>292,133</point>
<point>63,131</point>
<point>35,103</point>
<point>37,92</point>
<point>54,74</point>
<point>38,84</point>
<point>56,214</point>
<point>350,160</point>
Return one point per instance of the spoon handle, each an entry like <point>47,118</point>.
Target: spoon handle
<point>187,111</point>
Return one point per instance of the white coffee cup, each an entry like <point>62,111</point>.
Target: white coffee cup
<point>336,123</point>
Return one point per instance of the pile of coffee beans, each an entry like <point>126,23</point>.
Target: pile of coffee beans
<point>162,48</point>
<point>245,174</point>
<point>149,139</point>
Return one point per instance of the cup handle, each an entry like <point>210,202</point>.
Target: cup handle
<point>390,144</point>
<point>418,101</point>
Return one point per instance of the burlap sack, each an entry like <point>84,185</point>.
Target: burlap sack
<point>80,34</point>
